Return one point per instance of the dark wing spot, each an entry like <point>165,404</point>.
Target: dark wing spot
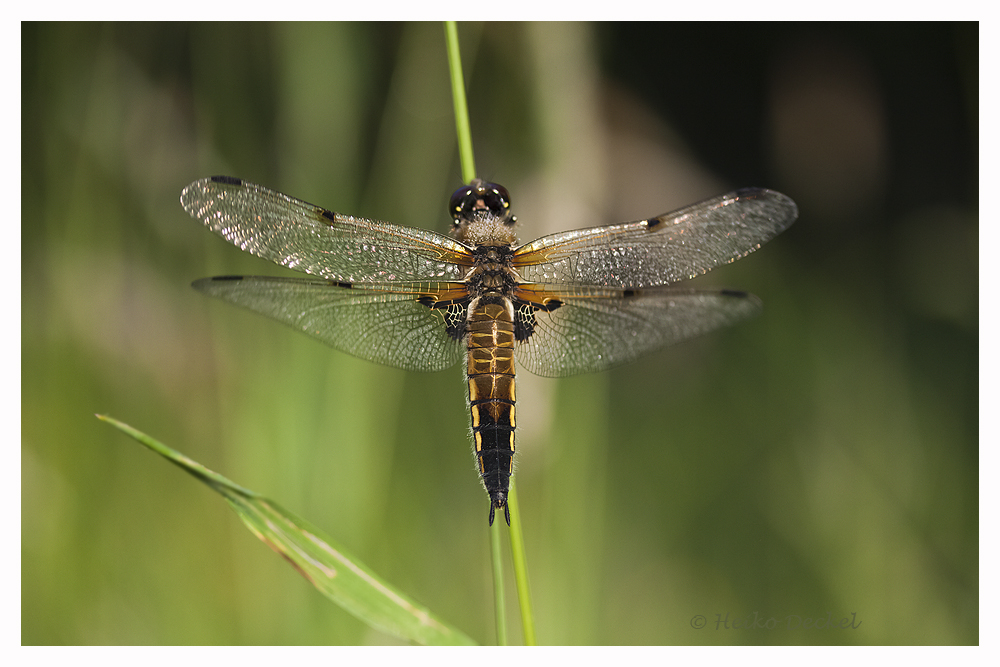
<point>228,180</point>
<point>654,224</point>
<point>739,294</point>
<point>455,314</point>
<point>344,285</point>
<point>329,215</point>
<point>456,319</point>
<point>524,321</point>
<point>628,293</point>
<point>748,193</point>
<point>524,317</point>
<point>228,277</point>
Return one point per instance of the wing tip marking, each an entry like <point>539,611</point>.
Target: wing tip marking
<point>226,180</point>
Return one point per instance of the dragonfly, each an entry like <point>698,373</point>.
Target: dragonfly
<point>574,302</point>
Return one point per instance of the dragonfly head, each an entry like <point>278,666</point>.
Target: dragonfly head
<point>481,213</point>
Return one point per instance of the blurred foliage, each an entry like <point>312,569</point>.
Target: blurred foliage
<point>820,460</point>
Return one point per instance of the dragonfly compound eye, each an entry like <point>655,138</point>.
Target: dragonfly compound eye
<point>458,205</point>
<point>480,197</point>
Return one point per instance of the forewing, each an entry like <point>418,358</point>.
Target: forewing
<point>593,332</point>
<point>319,242</point>
<point>387,327</point>
<point>662,250</point>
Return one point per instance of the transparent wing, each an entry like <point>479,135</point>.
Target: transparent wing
<point>390,328</point>
<point>661,250</point>
<point>322,243</point>
<point>609,327</point>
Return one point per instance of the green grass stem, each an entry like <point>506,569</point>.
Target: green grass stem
<point>462,128</point>
<point>520,568</point>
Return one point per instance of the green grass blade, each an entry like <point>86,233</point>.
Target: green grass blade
<point>499,605</point>
<point>462,127</point>
<point>334,572</point>
<point>520,568</point>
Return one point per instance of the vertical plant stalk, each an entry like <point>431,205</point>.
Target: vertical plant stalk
<point>463,130</point>
<point>499,605</point>
<point>520,569</point>
<point>462,127</point>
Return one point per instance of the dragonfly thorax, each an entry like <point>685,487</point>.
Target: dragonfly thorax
<point>493,271</point>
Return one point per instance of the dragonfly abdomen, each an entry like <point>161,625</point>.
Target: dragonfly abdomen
<point>491,395</point>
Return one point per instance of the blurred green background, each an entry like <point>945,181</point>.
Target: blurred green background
<point>821,459</point>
